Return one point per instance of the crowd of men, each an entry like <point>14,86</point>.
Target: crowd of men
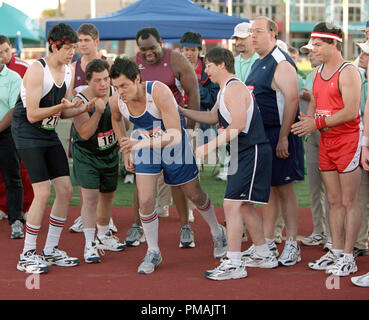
<point>259,99</point>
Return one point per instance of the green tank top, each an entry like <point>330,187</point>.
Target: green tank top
<point>103,141</point>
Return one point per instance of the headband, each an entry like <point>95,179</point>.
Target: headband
<point>58,42</point>
<point>326,36</point>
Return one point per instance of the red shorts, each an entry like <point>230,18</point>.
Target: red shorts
<point>341,153</point>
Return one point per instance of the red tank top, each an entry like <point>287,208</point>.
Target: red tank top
<point>328,100</point>
<point>161,71</point>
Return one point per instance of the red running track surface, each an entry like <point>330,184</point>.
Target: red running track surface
<point>179,277</point>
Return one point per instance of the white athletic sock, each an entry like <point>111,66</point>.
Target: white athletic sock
<point>89,235</point>
<point>235,258</point>
<point>269,241</point>
<point>150,225</point>
<point>208,213</point>
<point>102,230</point>
<point>263,250</point>
<point>56,225</point>
<point>31,237</point>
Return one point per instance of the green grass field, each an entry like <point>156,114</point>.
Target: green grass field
<point>215,189</point>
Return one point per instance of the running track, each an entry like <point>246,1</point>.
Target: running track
<point>179,277</point>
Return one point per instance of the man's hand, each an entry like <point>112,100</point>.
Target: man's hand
<point>305,126</point>
<point>282,148</point>
<point>100,106</point>
<point>128,144</point>
<point>66,104</point>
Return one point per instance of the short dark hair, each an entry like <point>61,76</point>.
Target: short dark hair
<point>193,38</point>
<point>144,33</point>
<point>326,27</point>
<point>218,55</point>
<point>96,65</point>
<point>124,67</point>
<point>61,32</point>
<point>4,39</point>
<point>88,29</point>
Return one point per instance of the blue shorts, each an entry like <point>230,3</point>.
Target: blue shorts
<point>177,163</point>
<point>251,181</point>
<point>287,170</point>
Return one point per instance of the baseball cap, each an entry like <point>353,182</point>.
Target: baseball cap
<point>364,46</point>
<point>242,30</point>
<point>307,47</point>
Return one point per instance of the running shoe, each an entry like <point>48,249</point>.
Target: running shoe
<point>30,262</point>
<point>328,245</point>
<point>150,262</point>
<point>187,239</point>
<point>17,230</point>
<point>59,258</point>
<point>162,212</point>
<point>3,215</point>
<point>91,254</point>
<point>314,240</point>
<point>251,250</point>
<point>343,267</point>
<point>226,271</point>
<point>324,262</point>
<point>255,260</point>
<point>361,281</point>
<point>290,255</point>
<point>77,225</point>
<point>109,242</point>
<point>220,244</point>
<point>135,236</point>
<point>112,226</point>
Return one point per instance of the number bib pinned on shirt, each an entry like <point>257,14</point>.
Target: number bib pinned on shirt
<point>106,139</point>
<point>51,122</point>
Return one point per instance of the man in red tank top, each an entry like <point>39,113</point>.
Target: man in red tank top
<point>335,110</point>
<point>158,63</point>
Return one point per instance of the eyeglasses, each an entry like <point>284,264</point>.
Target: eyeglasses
<point>258,31</point>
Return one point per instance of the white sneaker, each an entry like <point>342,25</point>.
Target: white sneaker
<point>255,260</point>
<point>162,212</point>
<point>324,262</point>
<point>220,244</point>
<point>226,271</point>
<point>291,254</point>
<point>129,178</point>
<point>91,254</point>
<point>2,215</point>
<point>361,281</point>
<point>112,226</point>
<point>30,262</point>
<point>109,242</point>
<point>191,217</point>
<point>343,267</point>
<point>328,245</point>
<point>77,225</point>
<point>314,240</point>
<point>251,250</point>
<point>59,258</point>
<point>222,175</point>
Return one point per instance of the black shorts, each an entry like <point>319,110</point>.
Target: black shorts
<point>45,163</point>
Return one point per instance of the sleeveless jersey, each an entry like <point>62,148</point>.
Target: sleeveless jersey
<point>253,133</point>
<point>328,100</point>
<point>259,82</point>
<point>80,82</point>
<point>103,141</point>
<point>41,133</point>
<point>162,72</point>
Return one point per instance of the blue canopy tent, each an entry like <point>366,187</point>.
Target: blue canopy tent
<point>172,18</point>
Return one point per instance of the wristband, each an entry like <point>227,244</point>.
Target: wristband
<point>320,123</point>
<point>365,141</point>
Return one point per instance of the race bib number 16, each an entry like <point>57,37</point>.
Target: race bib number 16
<point>106,139</point>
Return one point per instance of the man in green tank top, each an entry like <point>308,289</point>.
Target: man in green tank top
<point>95,162</point>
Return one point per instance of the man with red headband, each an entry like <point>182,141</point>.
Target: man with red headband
<point>335,110</point>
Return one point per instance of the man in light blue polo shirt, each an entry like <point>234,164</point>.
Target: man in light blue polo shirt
<point>247,55</point>
<point>10,83</point>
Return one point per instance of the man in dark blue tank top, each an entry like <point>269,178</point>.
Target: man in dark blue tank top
<point>273,80</point>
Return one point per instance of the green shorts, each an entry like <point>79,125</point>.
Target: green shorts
<point>95,172</point>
